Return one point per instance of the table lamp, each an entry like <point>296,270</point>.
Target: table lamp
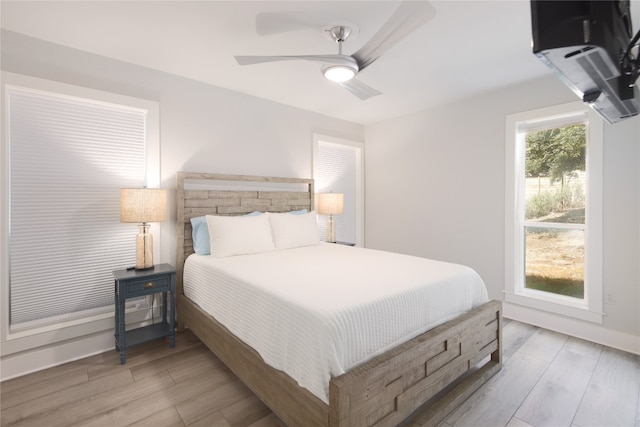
<point>331,204</point>
<point>143,205</point>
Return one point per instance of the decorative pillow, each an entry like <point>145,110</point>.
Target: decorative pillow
<point>200,236</point>
<point>300,212</point>
<point>239,235</point>
<point>292,231</point>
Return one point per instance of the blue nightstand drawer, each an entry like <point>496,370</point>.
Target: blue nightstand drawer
<point>148,286</point>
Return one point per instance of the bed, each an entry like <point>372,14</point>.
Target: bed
<point>424,376</point>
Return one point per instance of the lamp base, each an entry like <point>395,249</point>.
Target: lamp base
<point>331,230</point>
<point>144,248</point>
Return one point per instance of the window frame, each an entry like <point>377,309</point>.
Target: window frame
<point>591,307</point>
<point>14,341</point>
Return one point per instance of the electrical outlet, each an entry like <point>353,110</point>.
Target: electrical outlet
<point>609,299</point>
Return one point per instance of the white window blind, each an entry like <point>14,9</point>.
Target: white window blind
<point>68,159</point>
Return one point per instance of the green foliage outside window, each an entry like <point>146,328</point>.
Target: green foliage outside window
<point>570,197</point>
<point>556,152</point>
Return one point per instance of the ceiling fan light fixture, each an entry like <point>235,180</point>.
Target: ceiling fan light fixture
<point>338,73</point>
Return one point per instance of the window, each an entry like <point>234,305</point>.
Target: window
<point>70,151</point>
<point>554,211</point>
<point>338,168</point>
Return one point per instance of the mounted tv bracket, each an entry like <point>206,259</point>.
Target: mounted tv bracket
<point>631,67</point>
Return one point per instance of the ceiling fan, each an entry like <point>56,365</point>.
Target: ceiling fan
<point>342,69</point>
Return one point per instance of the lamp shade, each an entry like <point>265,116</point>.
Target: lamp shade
<point>143,205</point>
<point>330,203</point>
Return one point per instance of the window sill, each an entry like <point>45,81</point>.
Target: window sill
<point>565,306</point>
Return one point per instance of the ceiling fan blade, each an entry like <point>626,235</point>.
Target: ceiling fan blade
<point>359,89</point>
<point>409,16</point>
<point>328,59</point>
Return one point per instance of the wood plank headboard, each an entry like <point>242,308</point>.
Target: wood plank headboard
<point>214,194</point>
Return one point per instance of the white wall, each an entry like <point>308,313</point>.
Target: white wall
<point>202,129</point>
<point>435,188</point>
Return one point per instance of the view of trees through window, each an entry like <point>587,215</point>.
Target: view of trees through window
<point>554,223</point>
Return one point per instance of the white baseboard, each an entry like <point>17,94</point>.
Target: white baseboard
<point>573,327</point>
<point>19,364</point>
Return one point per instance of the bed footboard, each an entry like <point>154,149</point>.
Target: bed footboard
<point>389,388</point>
<point>424,377</point>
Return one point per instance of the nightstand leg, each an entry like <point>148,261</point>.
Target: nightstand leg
<point>117,322</point>
<point>121,333</point>
<point>172,319</point>
<point>164,307</point>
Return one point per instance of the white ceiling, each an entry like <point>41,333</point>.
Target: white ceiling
<point>468,48</point>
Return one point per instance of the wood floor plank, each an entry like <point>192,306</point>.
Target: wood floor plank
<point>63,397</point>
<point>138,408</point>
<point>245,411</point>
<point>14,385</point>
<point>516,422</point>
<point>205,362</point>
<point>585,348</point>
<point>611,398</point>
<point>141,354</point>
<point>175,359</point>
<point>495,403</point>
<point>167,418</point>
<point>213,400</point>
<point>268,421</point>
<point>213,420</point>
<point>514,335</point>
<point>43,388</point>
<point>556,397</point>
<point>83,409</point>
<point>544,344</point>
<point>637,423</point>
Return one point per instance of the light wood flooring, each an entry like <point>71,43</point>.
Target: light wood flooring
<point>548,379</point>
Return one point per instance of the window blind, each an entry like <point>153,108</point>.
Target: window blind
<point>68,158</point>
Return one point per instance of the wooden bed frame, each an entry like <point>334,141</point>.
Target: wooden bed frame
<point>428,376</point>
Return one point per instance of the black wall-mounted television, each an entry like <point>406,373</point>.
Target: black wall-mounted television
<point>590,45</point>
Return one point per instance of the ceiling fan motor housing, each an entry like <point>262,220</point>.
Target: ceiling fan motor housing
<point>342,70</point>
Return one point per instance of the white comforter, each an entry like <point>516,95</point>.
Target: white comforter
<point>317,311</point>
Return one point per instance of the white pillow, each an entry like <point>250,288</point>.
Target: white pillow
<point>292,231</point>
<point>239,235</point>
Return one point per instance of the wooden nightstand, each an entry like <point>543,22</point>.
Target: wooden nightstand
<point>135,283</point>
